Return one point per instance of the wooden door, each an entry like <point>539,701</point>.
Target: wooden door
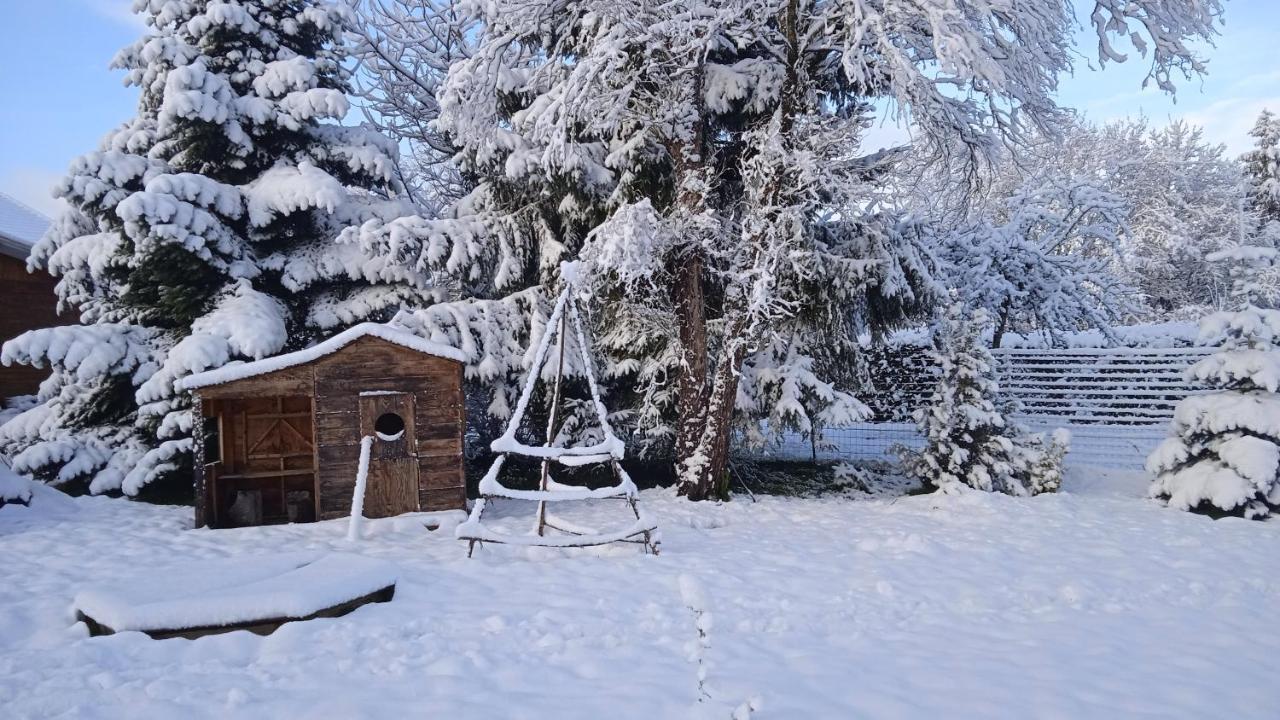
<point>393,463</point>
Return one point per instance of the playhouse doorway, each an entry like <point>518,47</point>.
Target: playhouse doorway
<point>393,462</point>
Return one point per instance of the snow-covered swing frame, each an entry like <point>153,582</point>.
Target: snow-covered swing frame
<point>611,449</point>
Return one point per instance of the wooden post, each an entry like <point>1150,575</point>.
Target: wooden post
<point>552,416</point>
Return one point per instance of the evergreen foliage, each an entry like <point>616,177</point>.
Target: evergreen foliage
<point>1262,167</point>
<point>970,439</point>
<point>203,231</point>
<point>704,162</point>
<point>1223,453</point>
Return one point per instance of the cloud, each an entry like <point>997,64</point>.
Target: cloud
<point>34,186</point>
<point>120,11</point>
<point>1229,120</point>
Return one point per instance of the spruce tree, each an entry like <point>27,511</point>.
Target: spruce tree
<point>969,438</point>
<point>1223,453</point>
<point>1262,167</point>
<point>204,231</point>
<point>704,160</point>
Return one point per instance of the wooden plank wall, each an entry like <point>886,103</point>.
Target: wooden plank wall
<point>335,382</point>
<point>372,364</point>
<point>27,302</point>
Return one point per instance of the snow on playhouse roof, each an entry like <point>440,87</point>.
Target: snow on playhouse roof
<point>241,370</point>
<point>20,228</point>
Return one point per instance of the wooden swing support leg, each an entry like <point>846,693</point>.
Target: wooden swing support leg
<point>646,538</point>
<point>553,416</point>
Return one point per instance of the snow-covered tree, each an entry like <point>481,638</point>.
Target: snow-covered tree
<point>703,160</point>
<point>203,231</point>
<point>1262,166</point>
<point>405,48</point>
<point>1180,193</point>
<point>1049,265</point>
<point>1223,453</point>
<point>969,438</point>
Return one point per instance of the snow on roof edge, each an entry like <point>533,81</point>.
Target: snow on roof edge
<point>239,371</point>
<point>20,227</point>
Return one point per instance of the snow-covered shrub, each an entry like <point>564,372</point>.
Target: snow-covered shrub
<point>204,231</point>
<point>969,440</point>
<point>1223,453</point>
<point>1046,471</point>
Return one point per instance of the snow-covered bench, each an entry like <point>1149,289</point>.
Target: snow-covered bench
<point>255,593</point>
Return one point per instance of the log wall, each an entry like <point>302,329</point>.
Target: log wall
<point>27,302</point>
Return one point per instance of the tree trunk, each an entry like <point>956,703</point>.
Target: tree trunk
<point>691,389</point>
<point>1002,323</point>
<point>703,468</point>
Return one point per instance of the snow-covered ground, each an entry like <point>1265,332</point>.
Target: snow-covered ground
<point>1091,603</point>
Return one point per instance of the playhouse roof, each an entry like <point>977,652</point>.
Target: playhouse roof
<point>241,370</point>
<point>20,228</point>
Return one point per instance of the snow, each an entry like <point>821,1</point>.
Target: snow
<point>239,371</point>
<point>234,590</point>
<point>14,488</point>
<point>20,227</point>
<point>354,526</point>
<point>1092,602</point>
<point>284,190</point>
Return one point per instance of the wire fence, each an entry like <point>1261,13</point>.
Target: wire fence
<point>1115,446</point>
<point>1115,402</point>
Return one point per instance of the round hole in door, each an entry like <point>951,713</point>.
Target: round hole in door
<point>389,426</point>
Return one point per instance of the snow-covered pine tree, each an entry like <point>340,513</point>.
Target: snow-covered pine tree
<point>203,231</point>
<point>1262,167</point>
<point>1223,453</point>
<point>968,437</point>
<point>703,160</point>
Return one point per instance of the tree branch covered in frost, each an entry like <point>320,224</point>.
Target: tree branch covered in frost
<point>1158,30</point>
<point>1050,267</point>
<point>404,49</point>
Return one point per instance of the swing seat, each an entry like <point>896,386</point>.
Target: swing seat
<point>639,532</point>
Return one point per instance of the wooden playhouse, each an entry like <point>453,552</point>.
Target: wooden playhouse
<point>282,435</point>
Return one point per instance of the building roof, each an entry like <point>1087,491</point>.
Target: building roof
<point>241,370</point>
<point>20,228</point>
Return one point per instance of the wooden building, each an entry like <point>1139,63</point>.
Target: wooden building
<point>27,300</point>
<point>282,435</point>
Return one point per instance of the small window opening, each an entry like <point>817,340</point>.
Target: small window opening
<point>389,426</point>
<point>212,440</point>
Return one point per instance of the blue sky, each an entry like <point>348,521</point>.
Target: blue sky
<point>60,97</point>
